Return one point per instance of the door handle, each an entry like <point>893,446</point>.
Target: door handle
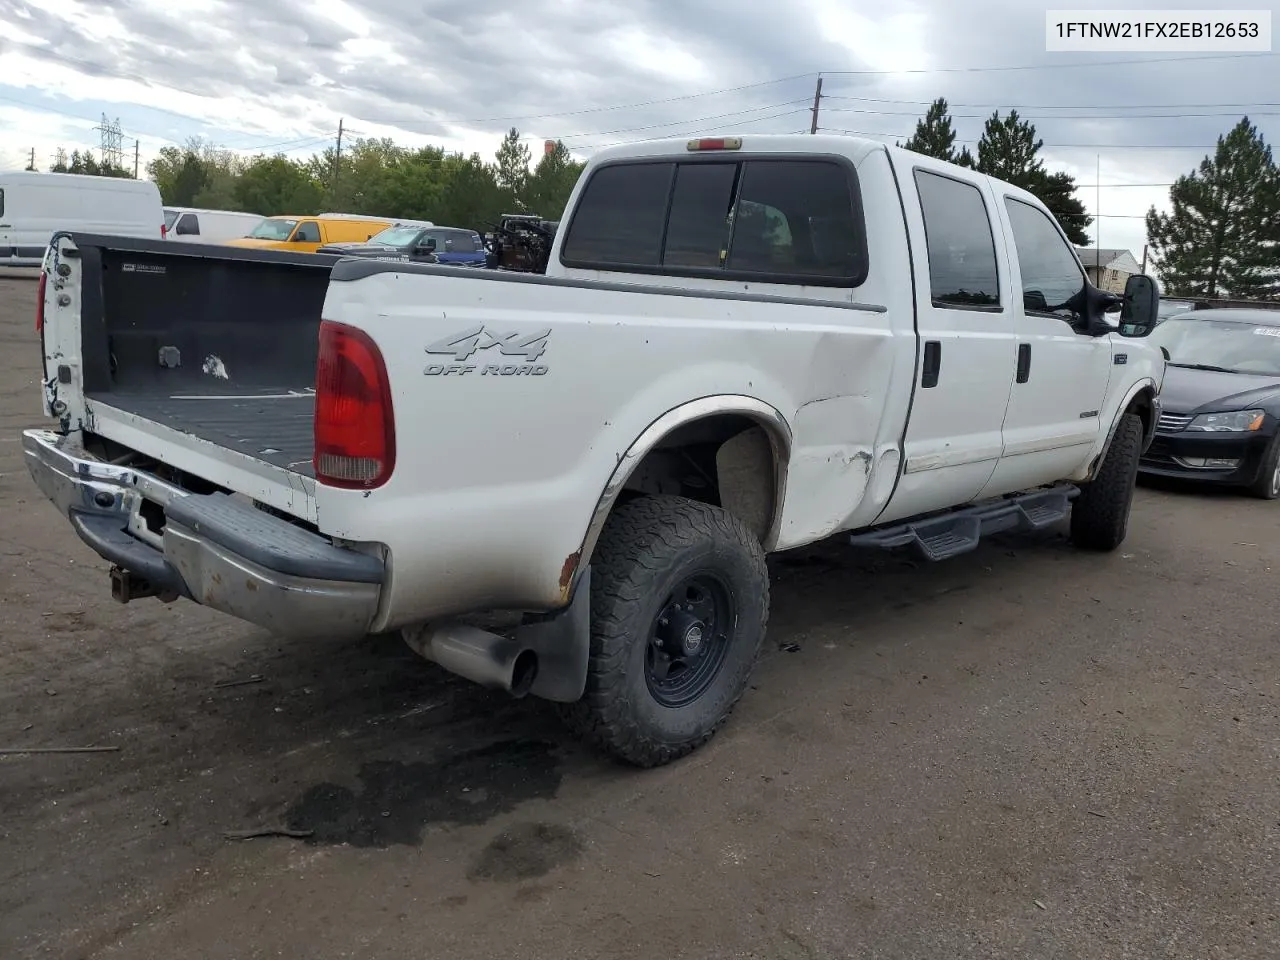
<point>932,363</point>
<point>1024,362</point>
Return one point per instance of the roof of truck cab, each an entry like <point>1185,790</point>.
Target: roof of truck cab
<point>822,143</point>
<point>855,148</point>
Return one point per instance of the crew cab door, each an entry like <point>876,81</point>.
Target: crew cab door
<point>965,325</point>
<point>1053,419</point>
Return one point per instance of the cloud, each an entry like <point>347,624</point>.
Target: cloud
<point>278,74</point>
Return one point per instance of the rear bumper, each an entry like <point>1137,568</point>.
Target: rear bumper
<point>218,551</point>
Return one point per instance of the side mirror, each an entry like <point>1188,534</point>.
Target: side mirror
<point>1139,315</point>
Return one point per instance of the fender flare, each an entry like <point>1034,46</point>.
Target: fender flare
<point>766,416</point>
<point>1147,383</point>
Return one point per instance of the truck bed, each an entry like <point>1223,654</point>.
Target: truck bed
<point>274,426</point>
<point>216,342</point>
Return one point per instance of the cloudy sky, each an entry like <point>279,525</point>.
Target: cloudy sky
<point>277,75</point>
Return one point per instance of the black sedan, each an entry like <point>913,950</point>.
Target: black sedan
<point>1221,400</point>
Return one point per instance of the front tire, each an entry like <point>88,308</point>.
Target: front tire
<point>1100,515</point>
<point>679,606</point>
<point>1267,486</point>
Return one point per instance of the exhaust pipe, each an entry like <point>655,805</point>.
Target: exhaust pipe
<point>488,659</point>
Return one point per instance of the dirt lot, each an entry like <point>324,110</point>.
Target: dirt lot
<point>1025,753</point>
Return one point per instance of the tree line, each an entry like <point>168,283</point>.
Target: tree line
<point>375,177</point>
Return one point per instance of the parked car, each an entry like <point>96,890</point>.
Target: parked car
<point>1221,400</point>
<point>309,234</point>
<point>429,244</point>
<point>739,346</point>
<point>34,206</point>
<point>1176,308</point>
<point>192,225</point>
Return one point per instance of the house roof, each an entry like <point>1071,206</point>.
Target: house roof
<point>1104,256</point>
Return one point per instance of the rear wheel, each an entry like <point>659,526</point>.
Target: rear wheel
<point>1267,486</point>
<point>679,605</point>
<point>1100,515</point>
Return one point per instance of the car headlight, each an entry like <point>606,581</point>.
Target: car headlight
<point>1233,421</point>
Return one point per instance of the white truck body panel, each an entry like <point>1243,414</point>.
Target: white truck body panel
<point>505,452</point>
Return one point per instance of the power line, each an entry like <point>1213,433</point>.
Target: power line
<point>1058,146</point>
<point>804,76</point>
<point>1047,66</point>
<point>1082,116</point>
<point>1043,106</point>
<point>41,108</point>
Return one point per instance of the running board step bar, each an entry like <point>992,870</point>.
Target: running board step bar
<point>947,535</point>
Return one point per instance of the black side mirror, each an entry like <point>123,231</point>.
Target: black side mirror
<point>1139,315</point>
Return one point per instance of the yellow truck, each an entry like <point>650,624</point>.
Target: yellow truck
<point>308,234</point>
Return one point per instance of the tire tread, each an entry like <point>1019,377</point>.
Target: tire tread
<point>639,540</point>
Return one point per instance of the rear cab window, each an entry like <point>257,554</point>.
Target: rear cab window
<point>764,218</point>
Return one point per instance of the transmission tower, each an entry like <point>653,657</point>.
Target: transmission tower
<point>60,159</point>
<point>112,143</point>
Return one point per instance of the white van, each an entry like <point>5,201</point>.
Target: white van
<point>34,206</point>
<point>193,225</point>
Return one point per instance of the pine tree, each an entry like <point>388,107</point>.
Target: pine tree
<point>1009,150</point>
<point>1222,237</point>
<point>934,136</point>
<point>513,168</point>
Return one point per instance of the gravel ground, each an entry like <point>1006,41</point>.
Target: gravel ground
<point>1027,752</point>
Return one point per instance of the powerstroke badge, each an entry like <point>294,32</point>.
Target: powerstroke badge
<point>463,346</point>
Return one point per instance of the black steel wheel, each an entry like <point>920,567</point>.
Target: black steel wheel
<point>679,606</point>
<point>689,640</point>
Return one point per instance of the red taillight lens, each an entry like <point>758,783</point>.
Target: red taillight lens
<point>355,429</point>
<point>164,232</point>
<point>44,282</point>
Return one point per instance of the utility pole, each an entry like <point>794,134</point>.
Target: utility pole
<point>1144,258</point>
<point>31,164</point>
<point>1097,206</point>
<point>337,165</point>
<point>817,98</point>
<point>135,159</point>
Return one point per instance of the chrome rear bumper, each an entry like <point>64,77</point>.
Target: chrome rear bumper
<point>216,550</point>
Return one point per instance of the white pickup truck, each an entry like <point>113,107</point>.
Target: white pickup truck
<point>740,346</point>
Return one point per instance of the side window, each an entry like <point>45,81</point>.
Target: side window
<point>797,218</point>
<point>188,226</point>
<point>701,206</point>
<point>1,202</point>
<point>620,217</point>
<point>1051,278</point>
<point>308,232</point>
<point>961,246</point>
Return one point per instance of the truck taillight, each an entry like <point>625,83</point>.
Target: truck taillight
<point>44,282</point>
<point>164,232</point>
<point>355,434</point>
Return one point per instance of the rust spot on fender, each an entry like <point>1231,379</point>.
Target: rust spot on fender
<point>566,574</point>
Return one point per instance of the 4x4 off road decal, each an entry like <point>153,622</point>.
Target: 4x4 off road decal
<point>463,346</point>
